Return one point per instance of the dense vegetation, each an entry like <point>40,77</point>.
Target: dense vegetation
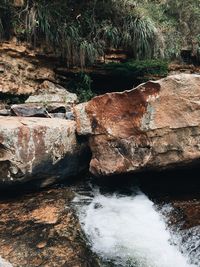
<point>150,32</point>
<point>81,31</point>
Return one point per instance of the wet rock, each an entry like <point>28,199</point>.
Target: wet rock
<point>186,212</point>
<point>40,229</point>
<point>39,149</point>
<point>154,126</point>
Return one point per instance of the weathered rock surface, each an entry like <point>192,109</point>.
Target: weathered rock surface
<point>53,110</point>
<point>51,100</point>
<point>31,110</point>
<point>49,93</point>
<point>40,229</point>
<point>154,126</point>
<point>21,70</point>
<point>39,148</point>
<point>4,110</point>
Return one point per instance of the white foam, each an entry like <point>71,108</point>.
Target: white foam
<point>4,263</point>
<point>130,232</point>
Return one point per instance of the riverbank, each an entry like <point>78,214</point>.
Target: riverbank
<point>42,228</point>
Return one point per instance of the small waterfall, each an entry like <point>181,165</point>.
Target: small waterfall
<point>128,231</point>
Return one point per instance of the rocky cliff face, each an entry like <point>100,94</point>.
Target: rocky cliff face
<point>22,70</point>
<point>154,126</point>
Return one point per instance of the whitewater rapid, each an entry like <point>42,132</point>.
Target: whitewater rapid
<point>128,231</point>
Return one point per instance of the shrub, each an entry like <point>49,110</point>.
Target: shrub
<point>81,31</point>
<point>139,69</point>
<point>81,85</point>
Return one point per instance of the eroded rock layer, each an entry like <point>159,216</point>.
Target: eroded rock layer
<point>154,126</point>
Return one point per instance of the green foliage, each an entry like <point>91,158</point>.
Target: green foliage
<point>177,21</point>
<point>185,16</point>
<point>8,98</point>
<point>81,31</point>
<point>1,29</point>
<point>139,69</point>
<point>81,85</point>
<point>142,42</point>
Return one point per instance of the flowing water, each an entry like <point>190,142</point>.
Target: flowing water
<point>128,230</point>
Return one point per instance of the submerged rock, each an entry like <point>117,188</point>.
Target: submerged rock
<point>39,149</point>
<point>154,126</point>
<point>40,229</point>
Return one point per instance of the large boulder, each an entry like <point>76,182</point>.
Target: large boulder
<point>154,126</point>
<point>39,149</point>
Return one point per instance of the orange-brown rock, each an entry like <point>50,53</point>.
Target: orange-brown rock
<point>21,70</point>
<point>39,149</point>
<point>41,229</point>
<point>154,126</point>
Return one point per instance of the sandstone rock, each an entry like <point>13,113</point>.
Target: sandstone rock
<point>57,107</point>
<point>31,110</point>
<point>21,70</point>
<point>39,148</point>
<point>43,73</point>
<point>52,93</point>
<point>41,229</point>
<point>51,110</point>
<point>58,115</point>
<point>54,99</point>
<point>4,110</point>
<point>39,110</point>
<point>154,126</point>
